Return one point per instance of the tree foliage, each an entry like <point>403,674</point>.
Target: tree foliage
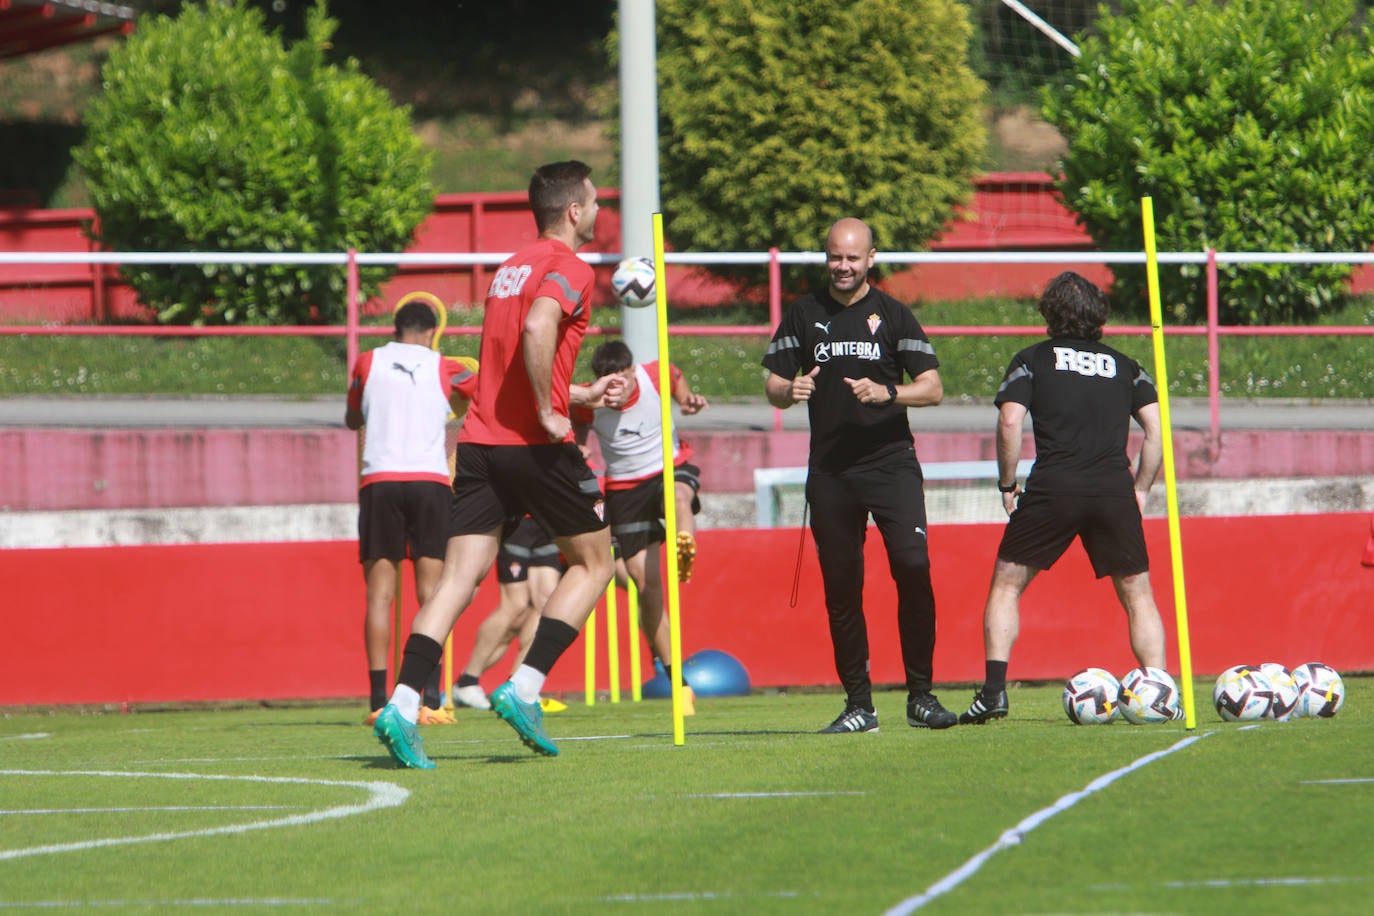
<point>212,136</point>
<point>777,117</point>
<point>1248,123</point>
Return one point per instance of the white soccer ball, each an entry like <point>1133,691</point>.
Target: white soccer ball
<point>1285,687</point>
<point>1149,695</point>
<point>633,282</point>
<point>1242,694</point>
<point>1320,690</point>
<point>1092,697</point>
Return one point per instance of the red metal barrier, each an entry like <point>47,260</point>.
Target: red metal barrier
<point>272,621</point>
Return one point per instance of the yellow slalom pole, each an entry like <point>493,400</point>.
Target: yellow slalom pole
<point>589,637</point>
<point>665,388</point>
<point>632,613</point>
<point>612,642</point>
<point>1185,652</point>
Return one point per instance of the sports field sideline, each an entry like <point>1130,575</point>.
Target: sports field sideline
<point>298,808</point>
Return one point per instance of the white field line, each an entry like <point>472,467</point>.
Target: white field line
<point>1231,882</point>
<point>32,736</point>
<point>1016,834</point>
<point>769,794</point>
<point>380,795</point>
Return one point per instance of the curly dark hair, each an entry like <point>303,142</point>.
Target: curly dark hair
<point>1074,307</point>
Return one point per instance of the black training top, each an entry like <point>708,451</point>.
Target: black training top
<point>1081,395</point>
<point>877,338</point>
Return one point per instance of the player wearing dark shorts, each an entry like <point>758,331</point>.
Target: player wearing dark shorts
<point>403,392</point>
<point>845,352</point>
<point>1081,396</point>
<point>631,438</point>
<point>517,456</point>
<point>527,547</point>
<point>528,567</point>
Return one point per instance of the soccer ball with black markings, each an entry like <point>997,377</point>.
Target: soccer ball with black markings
<point>1284,704</point>
<point>1149,695</point>
<point>633,282</point>
<point>1242,694</point>
<point>1321,692</point>
<point>1092,697</point>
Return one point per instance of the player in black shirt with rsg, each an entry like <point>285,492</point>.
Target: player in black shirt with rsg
<point>845,352</point>
<point>1081,395</point>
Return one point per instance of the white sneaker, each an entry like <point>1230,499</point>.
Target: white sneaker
<point>471,696</point>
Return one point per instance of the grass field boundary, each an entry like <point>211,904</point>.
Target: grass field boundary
<point>380,795</point>
<point>1014,835</point>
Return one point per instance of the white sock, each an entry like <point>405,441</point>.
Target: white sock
<point>527,682</point>
<point>407,703</point>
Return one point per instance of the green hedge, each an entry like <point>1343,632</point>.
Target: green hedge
<point>211,136</point>
<point>1250,124</point>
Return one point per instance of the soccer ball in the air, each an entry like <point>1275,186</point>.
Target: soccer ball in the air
<point>1149,695</point>
<point>1285,687</point>
<point>1320,690</point>
<point>1092,697</point>
<point>633,282</point>
<point>1242,694</point>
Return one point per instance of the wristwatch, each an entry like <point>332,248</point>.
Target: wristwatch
<point>892,394</point>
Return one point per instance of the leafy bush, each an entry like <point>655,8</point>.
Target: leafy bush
<point>1249,125</point>
<point>777,117</point>
<point>210,136</point>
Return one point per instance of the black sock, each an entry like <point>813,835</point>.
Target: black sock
<point>994,677</point>
<point>433,692</point>
<point>466,680</point>
<point>418,661</point>
<point>551,640</point>
<point>376,694</point>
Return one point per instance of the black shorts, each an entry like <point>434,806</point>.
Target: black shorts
<point>494,483</point>
<point>636,514</point>
<point>400,518</point>
<point>525,545</point>
<point>1043,527</point>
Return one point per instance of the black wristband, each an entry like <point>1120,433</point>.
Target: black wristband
<point>892,394</point>
<point>1006,488</point>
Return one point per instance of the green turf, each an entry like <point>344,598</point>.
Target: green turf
<point>753,814</point>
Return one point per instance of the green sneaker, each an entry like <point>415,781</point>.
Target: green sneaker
<point>526,718</point>
<point>402,739</point>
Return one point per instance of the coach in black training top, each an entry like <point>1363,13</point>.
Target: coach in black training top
<point>845,352</point>
<point>1081,395</point>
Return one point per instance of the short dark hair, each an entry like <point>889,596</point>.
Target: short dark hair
<point>612,356</point>
<point>415,316</point>
<point>1074,307</point>
<point>553,187</point>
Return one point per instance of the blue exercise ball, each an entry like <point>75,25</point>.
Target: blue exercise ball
<point>657,687</point>
<point>713,673</point>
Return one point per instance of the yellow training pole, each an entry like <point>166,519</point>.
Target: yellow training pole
<point>632,612</point>
<point>665,388</point>
<point>612,642</point>
<point>1185,652</point>
<point>589,638</point>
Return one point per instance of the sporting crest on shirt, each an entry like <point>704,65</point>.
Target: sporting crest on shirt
<point>873,322</point>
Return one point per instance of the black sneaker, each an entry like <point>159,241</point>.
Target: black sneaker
<point>985,708</point>
<point>923,710</point>
<point>853,719</point>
